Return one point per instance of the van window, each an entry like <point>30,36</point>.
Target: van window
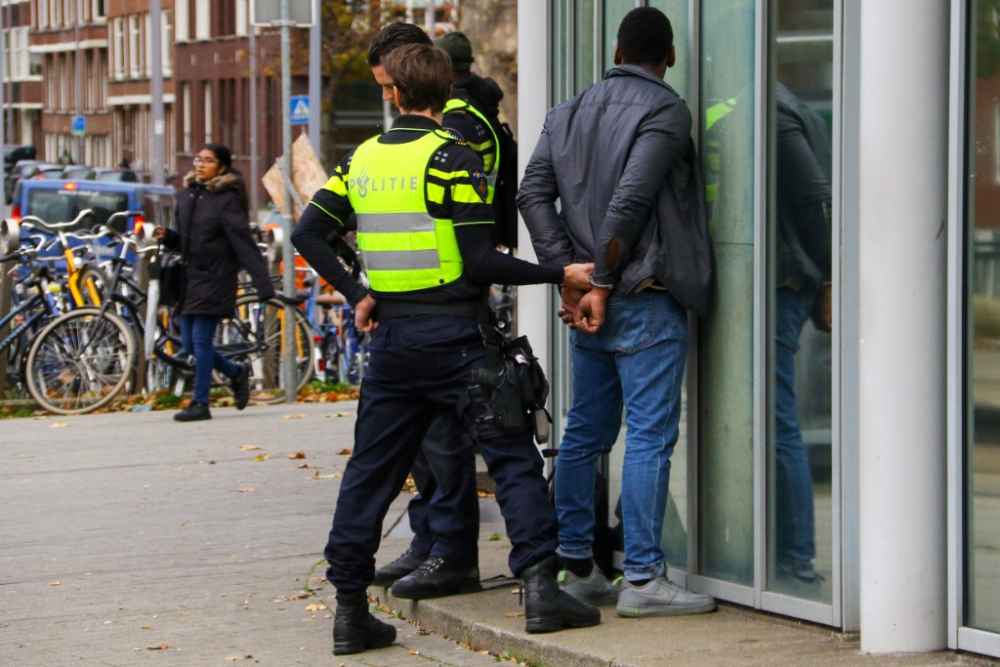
<point>64,205</point>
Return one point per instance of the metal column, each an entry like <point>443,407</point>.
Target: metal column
<point>287,251</point>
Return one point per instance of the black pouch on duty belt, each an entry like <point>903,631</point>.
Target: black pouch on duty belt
<point>509,394</point>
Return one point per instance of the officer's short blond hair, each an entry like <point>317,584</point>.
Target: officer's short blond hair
<point>423,75</point>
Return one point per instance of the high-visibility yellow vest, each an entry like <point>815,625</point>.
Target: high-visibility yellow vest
<point>403,247</point>
<point>492,170</point>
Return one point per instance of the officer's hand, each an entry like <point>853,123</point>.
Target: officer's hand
<point>577,276</point>
<point>364,313</point>
<point>590,313</point>
<point>570,301</point>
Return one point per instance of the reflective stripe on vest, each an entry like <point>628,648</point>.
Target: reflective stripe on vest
<point>458,104</point>
<point>403,247</point>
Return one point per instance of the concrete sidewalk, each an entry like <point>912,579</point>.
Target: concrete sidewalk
<point>121,533</point>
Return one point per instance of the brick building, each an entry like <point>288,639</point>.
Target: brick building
<point>22,75</point>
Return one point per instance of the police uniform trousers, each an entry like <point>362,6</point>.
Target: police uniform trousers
<point>420,367</point>
<point>444,515</point>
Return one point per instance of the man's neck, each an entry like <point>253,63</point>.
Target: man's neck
<point>426,113</point>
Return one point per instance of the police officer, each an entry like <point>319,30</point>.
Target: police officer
<point>444,515</point>
<point>424,228</point>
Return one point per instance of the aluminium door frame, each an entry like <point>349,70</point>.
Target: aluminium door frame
<point>961,99</point>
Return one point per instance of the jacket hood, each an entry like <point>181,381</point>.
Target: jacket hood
<point>484,91</point>
<point>221,183</point>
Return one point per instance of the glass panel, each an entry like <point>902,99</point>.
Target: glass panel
<point>983,337</point>
<point>800,526</point>
<point>614,12</point>
<point>677,12</point>
<point>559,44</point>
<point>586,49</point>
<point>725,336</point>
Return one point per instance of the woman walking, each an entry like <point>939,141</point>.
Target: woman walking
<point>213,236</point>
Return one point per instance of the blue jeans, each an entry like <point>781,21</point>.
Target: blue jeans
<point>637,360</point>
<point>795,534</point>
<point>197,332</point>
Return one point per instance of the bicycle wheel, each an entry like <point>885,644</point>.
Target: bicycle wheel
<point>93,284</point>
<point>80,361</point>
<point>257,335</point>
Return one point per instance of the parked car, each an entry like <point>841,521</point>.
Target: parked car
<point>12,154</point>
<point>106,175</point>
<point>24,169</point>
<point>75,172</point>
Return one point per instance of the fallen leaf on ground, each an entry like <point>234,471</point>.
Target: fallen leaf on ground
<point>60,425</point>
<point>185,613</point>
<point>53,583</point>
<point>183,523</point>
<point>296,455</point>
<point>238,657</point>
<point>311,618</point>
<point>158,647</point>
<point>282,608</point>
<point>145,627</point>
<point>483,493</point>
<point>413,652</point>
<point>309,467</point>
<point>262,457</point>
<point>345,452</point>
<point>296,416</point>
<point>248,448</point>
<point>316,607</point>
<point>513,614</point>
<point>249,489</point>
<point>330,476</point>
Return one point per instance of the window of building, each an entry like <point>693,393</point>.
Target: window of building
<point>183,20</point>
<point>98,10</point>
<point>208,111</point>
<point>147,52</point>
<point>135,50</point>
<point>242,17</point>
<point>202,19</point>
<point>118,47</point>
<point>41,14</point>
<point>186,101</point>
<point>166,24</point>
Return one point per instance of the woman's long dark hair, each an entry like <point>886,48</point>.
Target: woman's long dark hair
<point>225,158</point>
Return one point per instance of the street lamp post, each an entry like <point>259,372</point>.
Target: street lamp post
<point>158,153</point>
<point>287,251</point>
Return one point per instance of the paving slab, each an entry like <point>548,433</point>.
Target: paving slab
<point>121,533</point>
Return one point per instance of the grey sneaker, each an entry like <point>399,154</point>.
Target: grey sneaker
<point>661,597</point>
<point>594,589</point>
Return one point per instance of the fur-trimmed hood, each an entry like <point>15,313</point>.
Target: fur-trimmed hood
<point>221,183</point>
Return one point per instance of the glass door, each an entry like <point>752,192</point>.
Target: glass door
<point>802,492</point>
<point>976,286</point>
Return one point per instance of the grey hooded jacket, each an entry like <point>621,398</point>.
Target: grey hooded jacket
<point>620,159</point>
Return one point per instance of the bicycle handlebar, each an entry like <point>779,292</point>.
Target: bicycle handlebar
<point>55,226</point>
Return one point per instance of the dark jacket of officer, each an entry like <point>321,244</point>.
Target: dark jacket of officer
<point>621,160</point>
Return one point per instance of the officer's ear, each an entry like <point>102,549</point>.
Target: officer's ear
<point>397,97</point>
<point>619,59</point>
<point>672,57</point>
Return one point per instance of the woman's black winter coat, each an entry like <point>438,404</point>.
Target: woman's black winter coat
<point>213,236</point>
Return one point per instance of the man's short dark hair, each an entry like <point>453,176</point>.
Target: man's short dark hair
<point>645,36</point>
<point>392,37</point>
<point>423,75</point>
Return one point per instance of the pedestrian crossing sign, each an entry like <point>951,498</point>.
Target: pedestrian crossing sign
<point>300,110</point>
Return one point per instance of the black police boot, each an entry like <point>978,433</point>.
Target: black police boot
<point>437,578</point>
<point>548,609</point>
<point>195,412</point>
<point>399,568</point>
<point>241,386</point>
<point>355,629</point>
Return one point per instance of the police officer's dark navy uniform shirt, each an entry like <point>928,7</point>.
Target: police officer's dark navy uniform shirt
<point>473,222</point>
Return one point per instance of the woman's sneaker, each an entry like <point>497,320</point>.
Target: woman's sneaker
<point>594,589</point>
<point>661,597</point>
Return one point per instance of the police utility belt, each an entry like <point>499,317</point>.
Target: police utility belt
<point>510,392</point>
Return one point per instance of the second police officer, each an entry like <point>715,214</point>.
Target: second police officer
<point>425,231</point>
<point>444,515</point>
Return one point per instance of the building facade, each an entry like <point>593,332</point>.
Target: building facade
<point>22,75</point>
<point>130,66</point>
<point>873,450</point>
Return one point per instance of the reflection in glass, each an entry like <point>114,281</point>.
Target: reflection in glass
<point>800,557</point>
<point>725,335</point>
<point>982,576</point>
<point>586,54</point>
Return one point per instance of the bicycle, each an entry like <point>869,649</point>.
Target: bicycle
<point>80,360</point>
